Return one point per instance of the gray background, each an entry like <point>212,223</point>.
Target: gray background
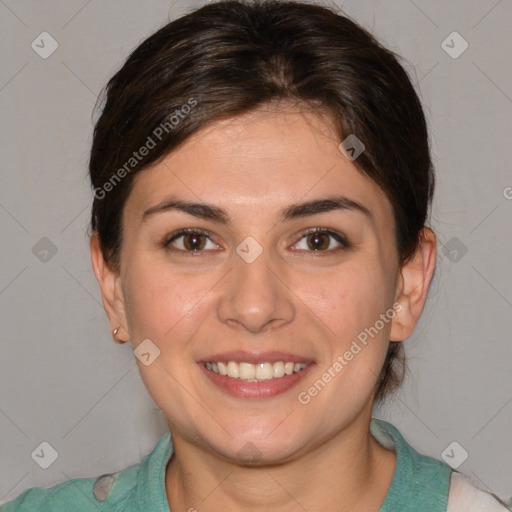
<point>63,380</point>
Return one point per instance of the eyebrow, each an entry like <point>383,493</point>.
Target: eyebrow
<point>295,211</point>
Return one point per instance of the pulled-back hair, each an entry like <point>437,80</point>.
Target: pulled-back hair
<point>229,58</point>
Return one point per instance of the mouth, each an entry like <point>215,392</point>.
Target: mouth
<point>247,375</point>
<point>259,372</point>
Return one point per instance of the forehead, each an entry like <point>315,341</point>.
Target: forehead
<point>263,159</point>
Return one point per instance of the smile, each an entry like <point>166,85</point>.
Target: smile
<point>248,372</point>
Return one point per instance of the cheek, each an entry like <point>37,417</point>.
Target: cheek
<point>159,300</point>
<point>168,309</point>
<point>347,300</point>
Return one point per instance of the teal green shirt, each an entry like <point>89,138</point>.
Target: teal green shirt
<point>420,483</point>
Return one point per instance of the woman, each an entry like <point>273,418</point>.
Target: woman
<point>262,179</point>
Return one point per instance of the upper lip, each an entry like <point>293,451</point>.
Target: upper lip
<point>242,356</point>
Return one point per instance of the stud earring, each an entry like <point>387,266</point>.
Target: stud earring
<point>114,333</point>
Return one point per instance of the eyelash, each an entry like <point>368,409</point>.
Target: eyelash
<point>321,231</point>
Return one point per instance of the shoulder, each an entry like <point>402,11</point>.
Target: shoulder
<point>79,494</point>
<point>56,498</point>
<point>138,487</point>
<point>466,497</point>
<point>428,481</point>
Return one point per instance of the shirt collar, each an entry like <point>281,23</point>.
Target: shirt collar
<point>416,477</point>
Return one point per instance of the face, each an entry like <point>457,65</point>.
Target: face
<point>289,254</point>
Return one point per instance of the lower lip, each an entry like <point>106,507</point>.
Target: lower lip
<point>261,389</point>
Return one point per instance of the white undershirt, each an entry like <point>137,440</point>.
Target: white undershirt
<point>465,497</point>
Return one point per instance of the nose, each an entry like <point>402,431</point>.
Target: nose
<point>255,296</point>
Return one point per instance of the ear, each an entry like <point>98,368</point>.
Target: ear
<point>412,286</point>
<point>111,290</point>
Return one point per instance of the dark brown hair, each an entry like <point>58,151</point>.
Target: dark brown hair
<point>228,58</point>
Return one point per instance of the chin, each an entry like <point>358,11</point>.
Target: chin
<point>257,447</point>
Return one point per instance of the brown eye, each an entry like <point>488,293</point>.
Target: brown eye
<point>193,242</point>
<point>318,241</point>
<point>190,241</point>
<point>321,240</point>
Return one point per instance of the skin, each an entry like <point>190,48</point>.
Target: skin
<point>318,456</point>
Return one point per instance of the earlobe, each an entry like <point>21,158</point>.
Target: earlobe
<point>111,294</point>
<point>412,287</point>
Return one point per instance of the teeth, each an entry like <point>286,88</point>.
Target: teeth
<point>278,369</point>
<point>264,371</point>
<point>247,371</point>
<point>233,370</point>
<point>255,372</point>
<point>222,368</point>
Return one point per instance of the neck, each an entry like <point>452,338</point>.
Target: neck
<point>350,471</point>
